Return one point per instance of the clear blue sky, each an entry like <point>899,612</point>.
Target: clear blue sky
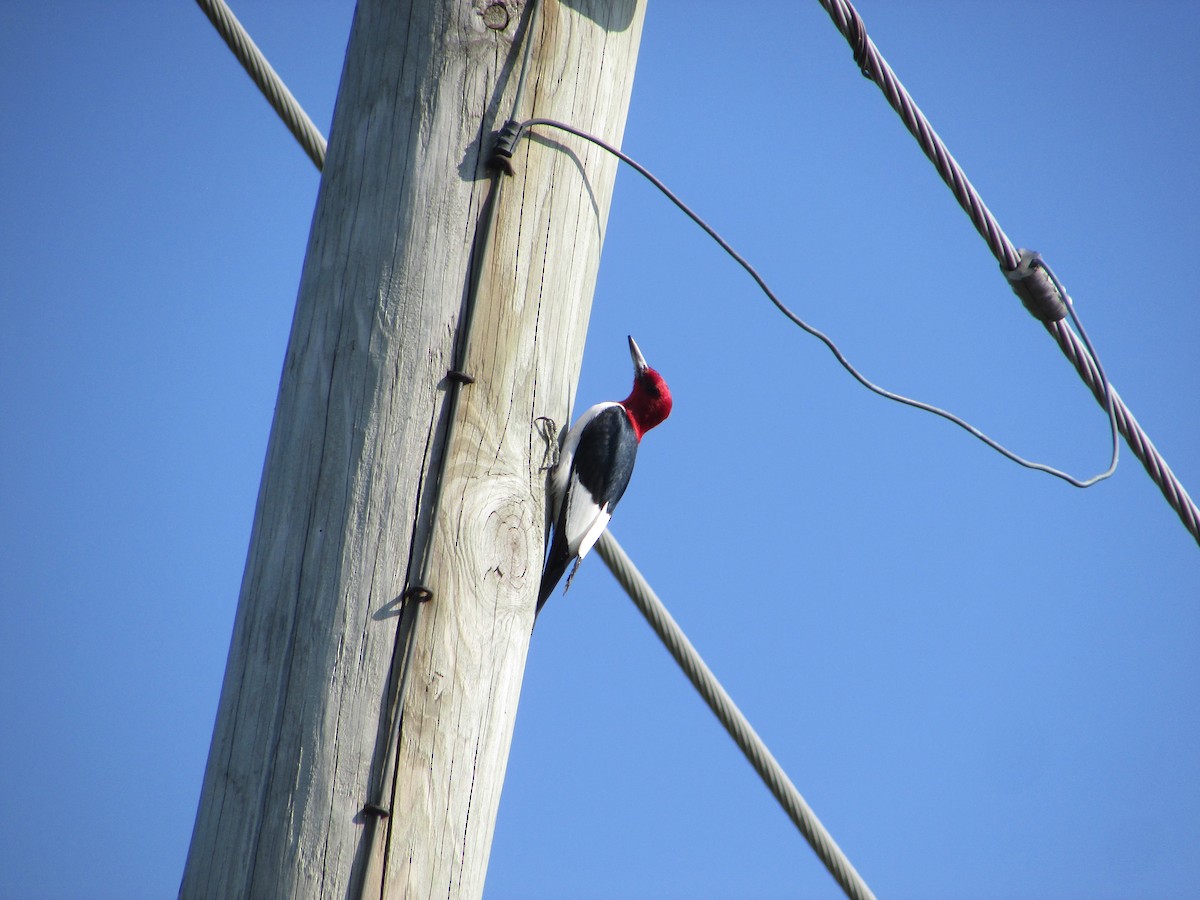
<point>984,681</point>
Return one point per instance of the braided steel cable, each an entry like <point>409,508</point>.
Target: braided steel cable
<point>267,79</point>
<point>875,67</point>
<point>1139,442</point>
<point>722,705</point>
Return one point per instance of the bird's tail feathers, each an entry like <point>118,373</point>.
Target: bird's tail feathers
<point>556,565</point>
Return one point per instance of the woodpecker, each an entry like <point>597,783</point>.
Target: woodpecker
<point>593,469</point>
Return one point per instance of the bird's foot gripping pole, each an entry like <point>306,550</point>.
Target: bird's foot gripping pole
<point>549,429</point>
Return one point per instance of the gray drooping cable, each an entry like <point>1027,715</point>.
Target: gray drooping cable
<point>513,131</point>
<point>739,728</point>
<point>526,55</point>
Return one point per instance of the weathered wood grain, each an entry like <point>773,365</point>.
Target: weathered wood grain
<point>312,723</point>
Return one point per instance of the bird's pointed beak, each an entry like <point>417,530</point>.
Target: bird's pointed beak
<point>639,361</point>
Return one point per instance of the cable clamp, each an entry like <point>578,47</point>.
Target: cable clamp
<point>506,144</point>
<point>857,37</point>
<point>1032,281</point>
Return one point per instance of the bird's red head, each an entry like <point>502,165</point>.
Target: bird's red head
<point>649,403</point>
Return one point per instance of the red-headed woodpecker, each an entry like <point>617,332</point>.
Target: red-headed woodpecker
<point>594,466</point>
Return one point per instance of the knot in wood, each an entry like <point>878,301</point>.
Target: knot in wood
<point>511,532</point>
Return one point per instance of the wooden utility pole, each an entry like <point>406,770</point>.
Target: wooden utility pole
<point>332,773</point>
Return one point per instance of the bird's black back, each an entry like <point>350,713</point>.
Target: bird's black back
<point>606,474</point>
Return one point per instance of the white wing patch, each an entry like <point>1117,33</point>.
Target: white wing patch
<point>585,520</point>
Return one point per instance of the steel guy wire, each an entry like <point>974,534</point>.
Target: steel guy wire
<point>268,81</point>
<point>735,723</point>
<point>512,133</point>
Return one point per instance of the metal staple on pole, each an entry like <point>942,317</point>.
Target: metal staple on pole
<point>876,68</point>
<point>268,81</point>
<point>731,717</point>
